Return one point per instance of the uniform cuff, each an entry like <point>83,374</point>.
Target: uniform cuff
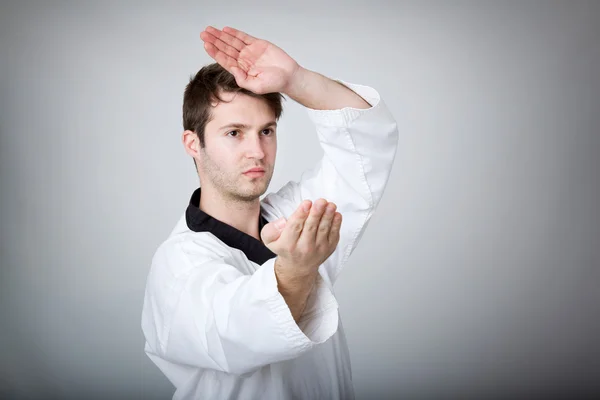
<point>344,116</point>
<point>319,320</point>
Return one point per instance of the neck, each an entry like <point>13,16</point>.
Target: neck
<point>240,214</point>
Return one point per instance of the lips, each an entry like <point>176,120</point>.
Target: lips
<point>255,170</point>
<point>255,173</point>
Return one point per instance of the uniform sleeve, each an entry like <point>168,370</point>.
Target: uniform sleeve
<point>359,147</point>
<point>202,312</point>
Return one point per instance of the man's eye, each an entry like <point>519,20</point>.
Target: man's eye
<point>235,132</point>
<point>268,131</point>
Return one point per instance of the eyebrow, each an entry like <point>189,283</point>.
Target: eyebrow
<point>239,125</point>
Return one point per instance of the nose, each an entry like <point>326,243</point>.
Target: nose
<point>254,147</point>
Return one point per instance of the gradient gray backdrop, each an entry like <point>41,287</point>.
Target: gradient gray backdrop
<point>477,278</point>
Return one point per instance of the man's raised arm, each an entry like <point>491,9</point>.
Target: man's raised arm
<point>318,92</point>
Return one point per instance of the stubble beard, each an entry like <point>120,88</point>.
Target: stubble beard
<point>235,186</point>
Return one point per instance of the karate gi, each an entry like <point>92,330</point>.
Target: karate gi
<point>214,321</point>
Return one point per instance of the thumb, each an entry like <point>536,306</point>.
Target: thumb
<point>239,75</point>
<point>272,231</point>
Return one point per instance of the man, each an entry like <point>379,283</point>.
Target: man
<point>239,301</point>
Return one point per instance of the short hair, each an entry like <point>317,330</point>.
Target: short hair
<point>203,89</point>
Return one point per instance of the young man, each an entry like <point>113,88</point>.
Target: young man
<point>239,301</point>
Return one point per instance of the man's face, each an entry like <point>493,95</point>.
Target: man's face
<point>240,136</point>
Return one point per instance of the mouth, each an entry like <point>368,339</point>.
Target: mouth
<point>255,172</point>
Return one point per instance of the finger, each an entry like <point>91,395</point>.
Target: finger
<point>295,222</point>
<point>244,37</point>
<point>326,222</point>
<point>210,37</point>
<point>272,231</point>
<point>334,233</point>
<point>309,232</point>
<point>223,59</point>
<point>227,38</point>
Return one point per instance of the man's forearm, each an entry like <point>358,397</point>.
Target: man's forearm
<point>318,92</point>
<point>294,288</point>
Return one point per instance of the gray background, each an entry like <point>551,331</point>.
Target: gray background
<point>478,277</point>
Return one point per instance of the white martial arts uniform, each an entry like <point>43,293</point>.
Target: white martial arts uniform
<point>214,321</point>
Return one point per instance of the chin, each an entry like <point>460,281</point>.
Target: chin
<point>250,195</point>
<point>249,191</point>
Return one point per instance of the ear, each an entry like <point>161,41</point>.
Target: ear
<point>191,143</point>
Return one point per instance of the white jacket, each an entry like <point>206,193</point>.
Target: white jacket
<point>214,321</point>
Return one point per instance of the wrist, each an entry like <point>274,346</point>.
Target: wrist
<point>290,273</point>
<point>297,82</point>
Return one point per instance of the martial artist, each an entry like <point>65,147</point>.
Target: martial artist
<point>239,300</point>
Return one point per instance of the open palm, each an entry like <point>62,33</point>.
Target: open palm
<point>256,64</point>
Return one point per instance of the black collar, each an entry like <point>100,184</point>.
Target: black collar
<point>199,221</point>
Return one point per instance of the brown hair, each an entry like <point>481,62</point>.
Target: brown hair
<point>203,89</point>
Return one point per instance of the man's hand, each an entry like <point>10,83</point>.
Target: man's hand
<point>307,239</point>
<point>256,64</point>
<point>302,244</point>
